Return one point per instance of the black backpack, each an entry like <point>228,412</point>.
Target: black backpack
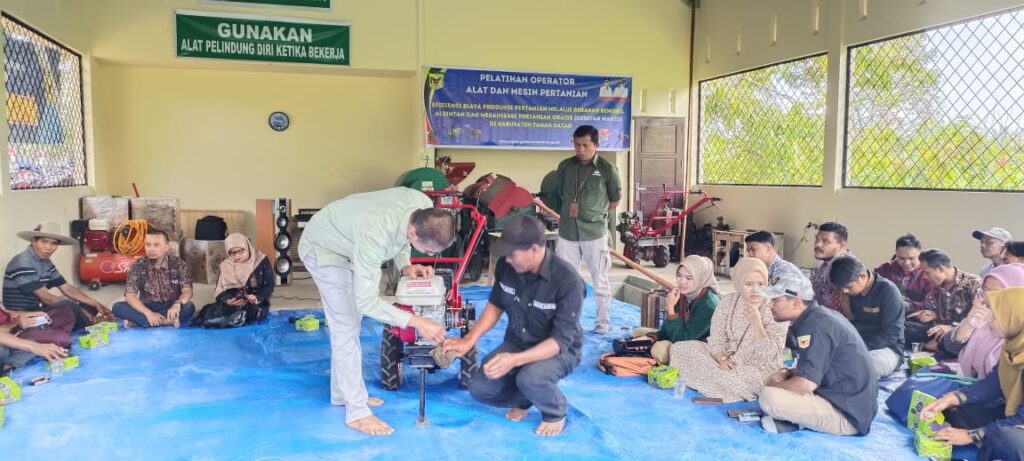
<point>211,228</point>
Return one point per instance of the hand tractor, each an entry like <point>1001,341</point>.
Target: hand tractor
<point>437,299</point>
<point>651,240</point>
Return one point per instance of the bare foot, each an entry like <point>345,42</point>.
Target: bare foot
<point>374,401</point>
<point>516,414</point>
<point>550,429</point>
<point>371,425</point>
<point>126,324</point>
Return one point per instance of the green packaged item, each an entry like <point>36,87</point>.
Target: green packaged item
<point>925,428</point>
<point>918,362</point>
<point>106,327</point>
<point>662,376</point>
<point>307,323</point>
<point>65,364</point>
<point>9,391</point>
<point>91,340</point>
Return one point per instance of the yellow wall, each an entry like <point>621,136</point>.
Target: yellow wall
<point>361,123</point>
<point>648,40</point>
<point>875,217</point>
<point>23,210</point>
<point>202,135</point>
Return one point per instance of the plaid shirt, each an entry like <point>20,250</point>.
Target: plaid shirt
<point>952,303</point>
<point>158,282</point>
<point>914,285</point>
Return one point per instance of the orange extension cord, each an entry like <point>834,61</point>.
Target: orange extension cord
<point>130,237</point>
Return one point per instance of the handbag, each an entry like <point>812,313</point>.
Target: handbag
<point>934,384</point>
<point>211,228</point>
<point>633,347</point>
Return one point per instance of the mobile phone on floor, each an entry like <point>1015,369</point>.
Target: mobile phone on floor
<point>707,400</point>
<point>738,412</point>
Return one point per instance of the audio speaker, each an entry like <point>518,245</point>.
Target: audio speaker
<point>273,235</point>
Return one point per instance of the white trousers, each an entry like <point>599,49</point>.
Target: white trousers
<point>599,261</point>
<point>884,361</point>
<point>347,386</point>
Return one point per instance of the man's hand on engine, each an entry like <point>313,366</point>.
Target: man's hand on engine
<point>418,271</point>
<point>428,329</point>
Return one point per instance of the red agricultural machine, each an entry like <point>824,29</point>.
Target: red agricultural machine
<point>650,240</point>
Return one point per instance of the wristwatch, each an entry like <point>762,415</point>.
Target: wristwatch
<point>976,435</point>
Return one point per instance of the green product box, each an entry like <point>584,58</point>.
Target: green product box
<point>9,391</point>
<point>66,364</point>
<point>307,323</point>
<point>925,445</point>
<point>916,363</point>
<point>92,340</point>
<point>662,376</point>
<point>106,327</point>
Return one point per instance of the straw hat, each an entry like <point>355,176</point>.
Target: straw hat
<point>49,230</point>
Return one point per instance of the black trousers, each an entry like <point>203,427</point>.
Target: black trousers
<point>534,384</point>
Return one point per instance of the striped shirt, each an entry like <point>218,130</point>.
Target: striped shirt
<point>25,274</point>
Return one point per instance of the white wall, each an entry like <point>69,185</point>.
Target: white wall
<point>874,217</point>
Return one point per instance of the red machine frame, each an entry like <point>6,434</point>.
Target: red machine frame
<point>644,241</point>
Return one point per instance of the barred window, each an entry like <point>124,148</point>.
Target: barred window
<point>941,109</point>
<point>45,140</point>
<point>764,126</point>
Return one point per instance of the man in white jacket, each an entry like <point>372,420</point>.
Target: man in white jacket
<point>343,247</point>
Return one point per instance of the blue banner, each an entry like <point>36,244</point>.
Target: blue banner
<point>523,110</point>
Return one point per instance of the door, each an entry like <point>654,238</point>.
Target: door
<point>659,162</point>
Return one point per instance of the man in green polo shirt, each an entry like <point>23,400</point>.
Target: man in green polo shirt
<point>588,193</point>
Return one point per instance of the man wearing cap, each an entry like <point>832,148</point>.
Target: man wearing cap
<point>542,295</point>
<point>833,388</point>
<point>878,311</point>
<point>588,194</point>
<point>992,243</point>
<point>31,274</point>
<point>343,247</point>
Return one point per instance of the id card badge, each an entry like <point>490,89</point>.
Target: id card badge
<point>574,210</point>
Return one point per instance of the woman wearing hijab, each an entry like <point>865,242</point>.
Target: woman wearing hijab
<point>983,338</point>
<point>694,298</point>
<point>243,289</point>
<point>1003,437</point>
<point>745,344</point>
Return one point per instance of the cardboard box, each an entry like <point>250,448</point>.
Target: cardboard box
<point>115,210</point>
<point>64,365</point>
<point>161,212</point>
<point>9,391</point>
<point>92,340</point>
<point>307,323</point>
<point>203,258</point>
<point>662,376</point>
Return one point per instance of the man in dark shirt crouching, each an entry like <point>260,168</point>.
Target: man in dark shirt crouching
<point>542,296</point>
<point>832,388</point>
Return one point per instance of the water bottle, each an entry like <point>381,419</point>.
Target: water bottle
<point>680,387</point>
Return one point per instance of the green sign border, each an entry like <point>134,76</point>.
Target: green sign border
<point>294,4</point>
<point>346,61</point>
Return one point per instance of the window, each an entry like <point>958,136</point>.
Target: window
<point>764,126</point>
<point>941,109</point>
<point>45,140</point>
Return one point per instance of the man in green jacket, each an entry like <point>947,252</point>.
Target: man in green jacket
<point>588,194</point>
<point>343,247</point>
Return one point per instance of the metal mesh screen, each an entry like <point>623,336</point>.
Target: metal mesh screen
<point>765,126</point>
<point>940,109</point>
<point>44,110</point>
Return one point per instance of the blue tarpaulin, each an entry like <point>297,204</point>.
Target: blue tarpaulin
<point>261,392</point>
